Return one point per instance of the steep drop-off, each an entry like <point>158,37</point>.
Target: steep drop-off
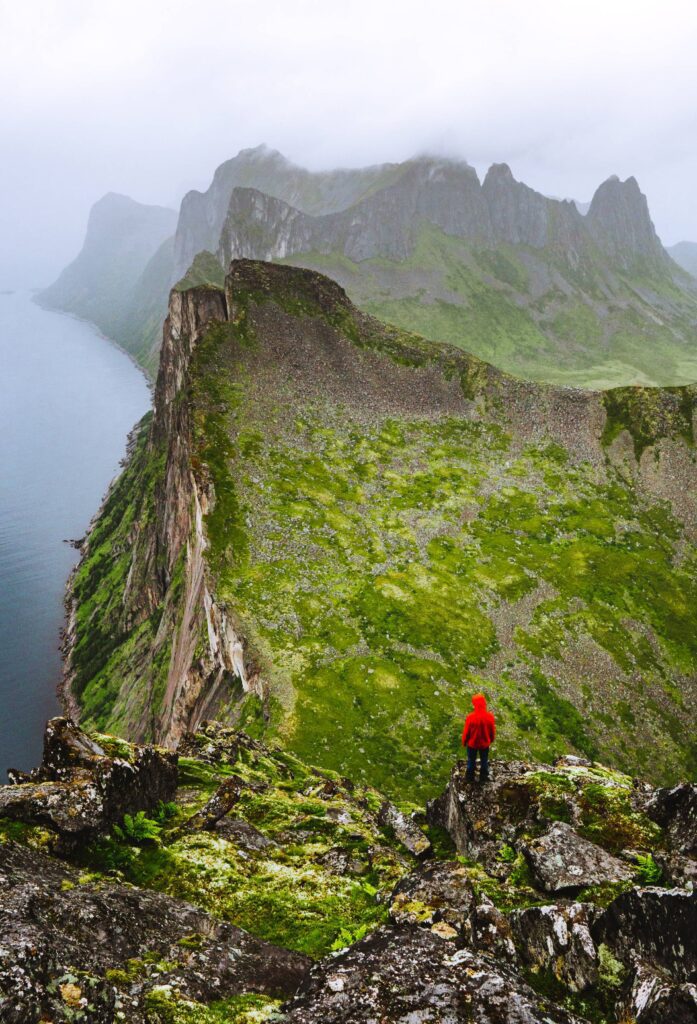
<point>334,531</point>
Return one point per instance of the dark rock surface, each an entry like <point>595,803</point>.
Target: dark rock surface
<point>414,976</point>
<point>656,925</point>
<point>52,925</point>
<point>675,810</point>
<point>559,937</point>
<point>561,860</point>
<point>81,789</point>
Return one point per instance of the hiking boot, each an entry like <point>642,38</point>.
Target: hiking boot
<point>469,776</point>
<point>484,778</point>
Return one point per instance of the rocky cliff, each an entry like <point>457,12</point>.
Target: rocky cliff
<point>236,883</point>
<point>529,283</point>
<point>116,278</point>
<point>332,528</point>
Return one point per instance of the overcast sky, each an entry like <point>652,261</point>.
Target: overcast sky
<point>147,97</point>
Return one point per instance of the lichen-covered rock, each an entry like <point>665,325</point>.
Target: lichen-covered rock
<point>561,860</point>
<point>677,869</point>
<point>522,799</point>
<point>221,803</point>
<point>558,937</point>
<point>657,925</point>
<point>56,926</point>
<point>491,931</point>
<point>675,810</point>
<point>412,976</point>
<point>438,891</point>
<point>407,831</point>
<point>655,999</point>
<point>81,788</point>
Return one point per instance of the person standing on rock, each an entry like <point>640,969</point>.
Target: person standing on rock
<point>477,736</point>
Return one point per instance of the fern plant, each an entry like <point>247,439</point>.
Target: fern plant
<point>648,871</point>
<point>138,828</point>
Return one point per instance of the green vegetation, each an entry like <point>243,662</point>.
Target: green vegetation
<point>205,270</point>
<point>598,331</point>
<point>373,566</point>
<point>283,885</point>
<point>118,660</point>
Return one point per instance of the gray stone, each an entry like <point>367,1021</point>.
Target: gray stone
<point>561,860</point>
<point>412,976</point>
<point>558,938</point>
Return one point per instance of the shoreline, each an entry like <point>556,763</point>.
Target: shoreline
<point>99,332</point>
<point>66,636</point>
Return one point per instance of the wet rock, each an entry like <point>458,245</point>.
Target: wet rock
<point>439,891</point>
<point>80,789</point>
<point>413,975</point>
<point>53,925</point>
<point>656,925</point>
<point>406,831</point>
<point>675,810</point>
<point>561,860</point>
<point>655,999</point>
<point>221,803</point>
<point>558,938</point>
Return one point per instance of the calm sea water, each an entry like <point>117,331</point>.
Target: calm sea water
<point>67,401</point>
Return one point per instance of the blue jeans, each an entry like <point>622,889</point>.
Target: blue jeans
<point>472,761</point>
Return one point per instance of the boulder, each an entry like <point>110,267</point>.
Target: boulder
<point>655,999</point>
<point>413,975</point>
<point>80,789</point>
<point>656,925</point>
<point>479,818</point>
<point>242,834</point>
<point>561,860</point>
<point>438,891</point>
<point>675,810</point>
<point>677,869</point>
<point>53,925</point>
<point>221,803</point>
<point>406,831</point>
<point>558,938</point>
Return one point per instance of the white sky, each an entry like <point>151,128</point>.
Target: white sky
<point>148,97</point>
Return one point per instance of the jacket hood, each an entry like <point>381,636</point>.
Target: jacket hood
<point>479,702</point>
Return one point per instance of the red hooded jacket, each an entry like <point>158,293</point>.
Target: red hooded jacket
<point>480,725</point>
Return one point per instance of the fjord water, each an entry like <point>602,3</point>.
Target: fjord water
<point>68,399</point>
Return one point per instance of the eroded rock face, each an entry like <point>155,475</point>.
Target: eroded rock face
<point>655,925</point>
<point>558,937</point>
<point>675,810</point>
<point>80,789</point>
<point>561,860</point>
<point>654,999</point>
<point>53,925</point>
<point>412,976</point>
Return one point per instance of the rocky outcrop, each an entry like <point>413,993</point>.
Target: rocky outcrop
<point>558,937</point>
<point>621,225</point>
<point>415,975</point>
<point>80,790</point>
<point>562,860</point>
<point>94,951</point>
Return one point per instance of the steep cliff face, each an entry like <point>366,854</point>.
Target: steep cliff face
<point>529,283</point>
<point>203,213</point>
<point>522,280</point>
<point>117,275</point>
<point>336,529</point>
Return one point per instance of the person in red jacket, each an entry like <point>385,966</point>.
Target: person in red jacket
<point>478,735</point>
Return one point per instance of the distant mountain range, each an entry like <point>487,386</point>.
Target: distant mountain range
<point>530,283</point>
<point>685,254</point>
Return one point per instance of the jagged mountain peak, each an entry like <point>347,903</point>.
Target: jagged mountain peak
<point>621,223</point>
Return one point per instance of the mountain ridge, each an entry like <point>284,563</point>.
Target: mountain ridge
<point>443,525</point>
<point>527,282</point>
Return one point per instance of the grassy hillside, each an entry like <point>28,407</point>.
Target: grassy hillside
<point>394,526</point>
<point>526,311</point>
